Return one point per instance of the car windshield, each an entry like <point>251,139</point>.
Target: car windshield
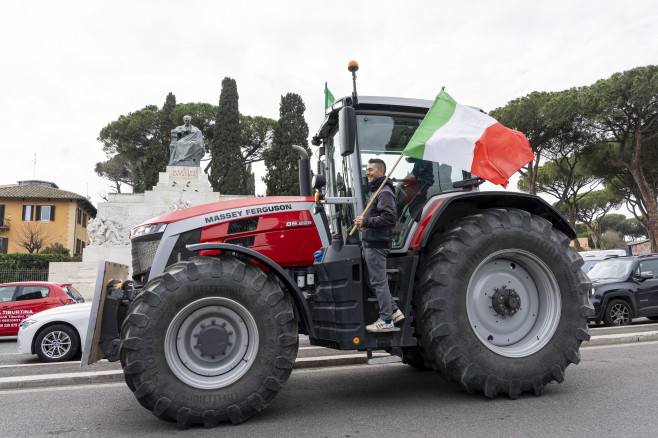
<point>609,269</point>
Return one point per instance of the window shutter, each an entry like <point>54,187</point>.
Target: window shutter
<point>52,213</point>
<point>30,209</point>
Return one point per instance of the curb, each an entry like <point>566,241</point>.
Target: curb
<point>61,379</point>
<point>113,376</point>
<point>624,338</point>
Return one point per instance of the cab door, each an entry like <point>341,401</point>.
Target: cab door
<point>6,303</point>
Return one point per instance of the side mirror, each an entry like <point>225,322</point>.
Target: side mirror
<point>646,275</point>
<point>347,129</point>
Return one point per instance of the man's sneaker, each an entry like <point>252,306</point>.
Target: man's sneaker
<point>398,316</point>
<point>380,326</point>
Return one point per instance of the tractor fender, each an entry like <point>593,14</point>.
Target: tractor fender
<point>301,306</point>
<point>455,207</point>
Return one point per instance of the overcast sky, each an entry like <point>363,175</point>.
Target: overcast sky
<point>68,68</point>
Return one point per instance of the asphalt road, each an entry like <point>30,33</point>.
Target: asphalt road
<point>610,394</point>
<point>33,373</point>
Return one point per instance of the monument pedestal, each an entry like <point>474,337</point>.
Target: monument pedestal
<point>179,187</point>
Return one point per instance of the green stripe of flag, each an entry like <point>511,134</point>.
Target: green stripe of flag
<point>438,115</point>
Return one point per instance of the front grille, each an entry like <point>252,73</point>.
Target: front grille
<point>180,252</point>
<point>143,253</point>
<point>243,225</point>
<point>242,241</point>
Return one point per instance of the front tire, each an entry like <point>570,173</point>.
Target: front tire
<point>617,313</point>
<point>502,303</point>
<point>57,343</point>
<point>209,340</point>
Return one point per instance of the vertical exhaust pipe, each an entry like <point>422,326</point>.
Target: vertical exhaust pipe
<point>304,164</point>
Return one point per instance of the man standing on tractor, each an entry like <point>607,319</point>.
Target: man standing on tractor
<point>377,236</point>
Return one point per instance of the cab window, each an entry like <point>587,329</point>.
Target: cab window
<point>415,181</point>
<point>340,184</point>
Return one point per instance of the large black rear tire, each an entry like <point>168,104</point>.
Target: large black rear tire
<point>209,340</point>
<point>502,303</point>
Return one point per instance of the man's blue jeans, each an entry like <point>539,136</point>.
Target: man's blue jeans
<point>376,261</point>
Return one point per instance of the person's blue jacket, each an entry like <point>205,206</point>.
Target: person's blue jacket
<point>380,219</point>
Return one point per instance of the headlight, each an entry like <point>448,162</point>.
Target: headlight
<point>26,323</point>
<point>147,229</point>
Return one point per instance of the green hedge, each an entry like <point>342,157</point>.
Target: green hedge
<point>33,261</point>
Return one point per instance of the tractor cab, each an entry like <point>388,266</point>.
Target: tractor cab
<point>378,127</point>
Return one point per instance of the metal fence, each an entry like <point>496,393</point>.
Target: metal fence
<point>11,275</point>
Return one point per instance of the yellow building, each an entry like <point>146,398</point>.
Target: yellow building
<point>35,214</point>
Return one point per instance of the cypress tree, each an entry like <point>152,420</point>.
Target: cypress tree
<point>281,160</point>
<point>156,157</point>
<point>228,174</point>
<point>165,125</point>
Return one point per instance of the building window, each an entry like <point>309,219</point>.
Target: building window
<point>84,220</point>
<point>78,213</point>
<point>28,212</point>
<point>78,246</point>
<point>45,213</point>
<point>4,243</point>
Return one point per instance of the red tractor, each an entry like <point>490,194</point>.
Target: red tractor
<point>493,296</point>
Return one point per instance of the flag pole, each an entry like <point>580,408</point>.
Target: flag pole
<point>372,199</point>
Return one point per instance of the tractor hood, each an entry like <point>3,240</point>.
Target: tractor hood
<point>214,207</point>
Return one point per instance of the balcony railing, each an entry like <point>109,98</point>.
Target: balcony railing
<point>4,223</point>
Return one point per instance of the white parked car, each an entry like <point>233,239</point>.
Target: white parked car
<point>55,335</point>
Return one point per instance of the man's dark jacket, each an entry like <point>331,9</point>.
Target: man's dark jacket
<point>380,219</point>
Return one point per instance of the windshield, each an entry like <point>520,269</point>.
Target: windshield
<point>611,269</point>
<point>385,137</point>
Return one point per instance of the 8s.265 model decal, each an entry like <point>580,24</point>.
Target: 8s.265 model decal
<point>298,224</point>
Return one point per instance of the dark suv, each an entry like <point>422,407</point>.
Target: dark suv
<point>624,288</point>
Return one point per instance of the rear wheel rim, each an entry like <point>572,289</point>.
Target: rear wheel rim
<point>211,343</point>
<point>534,321</point>
<point>56,344</point>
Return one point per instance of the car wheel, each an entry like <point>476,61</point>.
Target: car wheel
<point>617,313</point>
<point>57,343</point>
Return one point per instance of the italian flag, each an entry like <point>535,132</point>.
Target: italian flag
<point>469,139</point>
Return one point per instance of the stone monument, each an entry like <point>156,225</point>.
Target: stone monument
<point>186,147</point>
<point>182,185</point>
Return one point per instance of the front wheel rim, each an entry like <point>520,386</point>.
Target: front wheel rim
<point>619,314</point>
<point>211,343</point>
<point>521,329</point>
<point>56,344</point>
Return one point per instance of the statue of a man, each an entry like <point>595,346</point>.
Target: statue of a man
<point>186,147</point>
